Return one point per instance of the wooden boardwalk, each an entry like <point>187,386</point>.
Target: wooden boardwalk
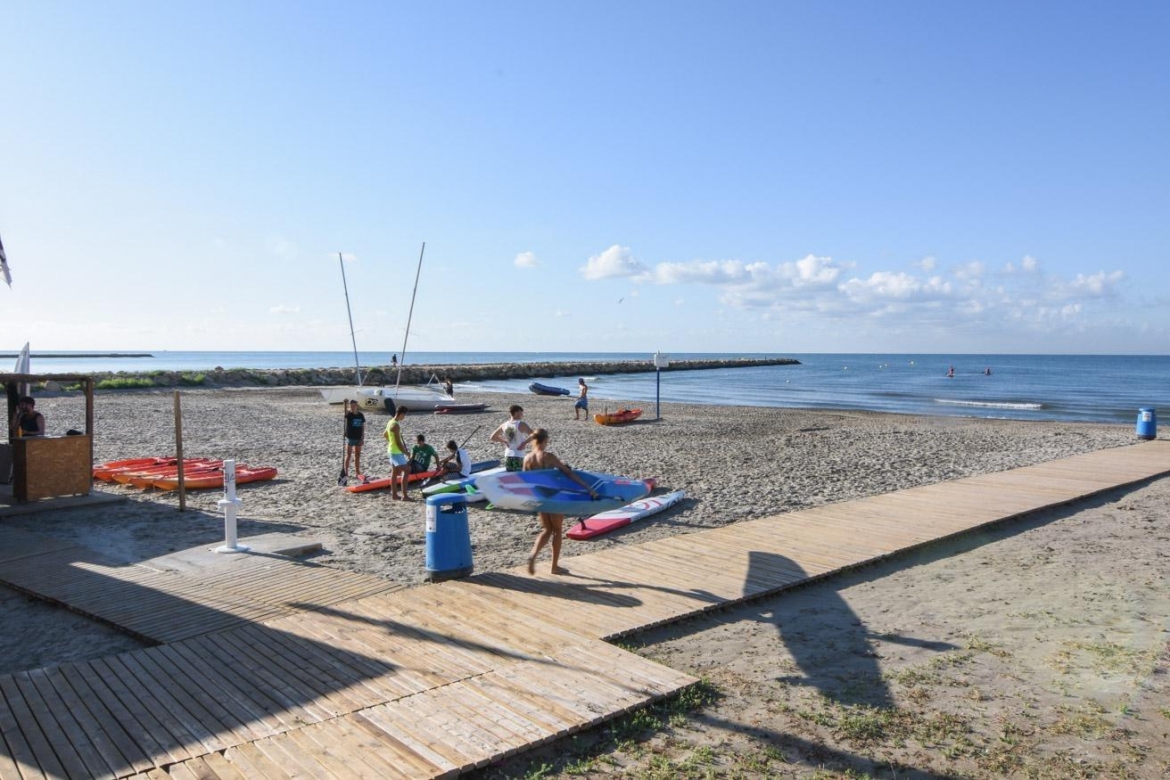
<point>436,680</point>
<point>162,605</point>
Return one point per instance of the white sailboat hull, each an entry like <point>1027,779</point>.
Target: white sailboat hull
<point>415,398</point>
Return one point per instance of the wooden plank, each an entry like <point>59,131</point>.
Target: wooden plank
<point>154,736</point>
<point>290,665</point>
<point>285,755</point>
<point>54,753</point>
<point>257,711</point>
<point>196,698</point>
<point>387,756</point>
<point>289,692</point>
<point>191,734</point>
<point>19,752</point>
<point>108,742</point>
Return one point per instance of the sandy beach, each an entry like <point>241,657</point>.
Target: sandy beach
<point>1044,639</point>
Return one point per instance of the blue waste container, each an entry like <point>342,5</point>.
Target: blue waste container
<point>448,537</point>
<point>1147,423</point>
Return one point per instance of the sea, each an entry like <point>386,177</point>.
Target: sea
<point>1082,388</point>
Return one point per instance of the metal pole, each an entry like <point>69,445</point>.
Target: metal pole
<point>657,391</point>
<point>409,314</point>
<point>356,363</point>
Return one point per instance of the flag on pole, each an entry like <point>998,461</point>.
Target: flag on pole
<point>4,266</point>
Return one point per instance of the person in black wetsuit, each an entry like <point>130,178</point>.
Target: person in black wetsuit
<point>355,436</point>
<point>27,421</point>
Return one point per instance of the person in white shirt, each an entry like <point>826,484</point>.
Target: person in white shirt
<point>513,434</point>
<point>458,461</point>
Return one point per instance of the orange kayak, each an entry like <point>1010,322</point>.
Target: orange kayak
<point>618,417</point>
<point>106,470</point>
<point>146,480</point>
<point>213,478</point>
<point>124,476</point>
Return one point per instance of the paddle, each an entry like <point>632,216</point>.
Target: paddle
<point>439,477</point>
<point>343,480</point>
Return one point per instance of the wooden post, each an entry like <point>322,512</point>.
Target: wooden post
<point>179,453</point>
<point>88,384</point>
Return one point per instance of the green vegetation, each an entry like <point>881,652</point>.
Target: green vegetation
<point>124,383</point>
<point>192,379</point>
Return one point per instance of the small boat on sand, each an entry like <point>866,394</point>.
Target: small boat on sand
<point>540,389</point>
<point>617,418</point>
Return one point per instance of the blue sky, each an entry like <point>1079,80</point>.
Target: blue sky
<point>683,176</point>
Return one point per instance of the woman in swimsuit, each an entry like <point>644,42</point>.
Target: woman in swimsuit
<point>551,525</point>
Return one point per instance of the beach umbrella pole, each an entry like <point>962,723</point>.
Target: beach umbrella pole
<point>230,504</point>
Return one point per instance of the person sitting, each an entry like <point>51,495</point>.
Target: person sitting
<point>27,421</point>
<point>458,461</point>
<point>421,455</point>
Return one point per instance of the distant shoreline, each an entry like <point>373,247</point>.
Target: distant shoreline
<point>82,355</point>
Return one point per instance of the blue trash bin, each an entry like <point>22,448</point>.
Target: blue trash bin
<point>1147,423</point>
<point>448,537</point>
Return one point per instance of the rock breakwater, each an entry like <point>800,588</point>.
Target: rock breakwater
<point>420,374</point>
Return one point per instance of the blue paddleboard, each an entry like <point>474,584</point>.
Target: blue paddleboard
<point>549,490</point>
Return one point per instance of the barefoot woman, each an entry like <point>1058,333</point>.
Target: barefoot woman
<point>551,525</point>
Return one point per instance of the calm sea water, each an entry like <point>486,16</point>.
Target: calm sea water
<point>1097,388</point>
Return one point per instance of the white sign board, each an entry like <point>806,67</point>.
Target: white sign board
<point>660,360</point>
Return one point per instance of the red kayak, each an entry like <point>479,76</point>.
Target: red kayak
<point>106,471</point>
<point>384,482</point>
<point>124,476</point>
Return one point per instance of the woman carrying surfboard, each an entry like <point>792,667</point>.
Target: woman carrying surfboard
<point>551,525</point>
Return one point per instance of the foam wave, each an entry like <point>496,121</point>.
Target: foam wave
<point>991,404</point>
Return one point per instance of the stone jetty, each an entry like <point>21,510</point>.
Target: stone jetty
<point>420,374</point>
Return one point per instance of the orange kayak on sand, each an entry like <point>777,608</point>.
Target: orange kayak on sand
<point>213,478</point>
<point>125,476</point>
<point>106,471</point>
<point>146,480</point>
<point>618,417</point>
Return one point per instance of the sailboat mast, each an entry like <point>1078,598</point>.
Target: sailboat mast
<point>409,314</point>
<point>356,363</point>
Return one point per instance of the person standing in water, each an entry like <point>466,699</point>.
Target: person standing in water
<point>551,524</point>
<point>582,404</point>
<point>513,433</point>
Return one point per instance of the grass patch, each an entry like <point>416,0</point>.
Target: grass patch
<point>124,383</point>
<point>192,379</point>
<point>1112,657</point>
<point>1084,722</point>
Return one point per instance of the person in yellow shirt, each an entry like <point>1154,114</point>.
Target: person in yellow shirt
<point>396,450</point>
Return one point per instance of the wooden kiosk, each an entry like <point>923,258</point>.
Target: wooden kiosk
<point>52,465</point>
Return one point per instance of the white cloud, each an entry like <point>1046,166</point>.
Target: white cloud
<point>1030,264</point>
<point>617,261</point>
<point>281,247</point>
<point>526,260</point>
<point>285,310</point>
<point>1097,285</point>
<point>970,272</point>
<point>927,263</point>
<point>887,285</point>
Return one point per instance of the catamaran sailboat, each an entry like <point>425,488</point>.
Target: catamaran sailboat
<point>416,398</point>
